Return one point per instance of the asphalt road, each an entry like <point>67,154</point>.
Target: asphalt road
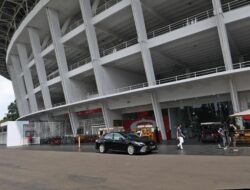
<point>55,170</point>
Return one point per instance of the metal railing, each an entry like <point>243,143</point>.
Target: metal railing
<point>182,23</point>
<point>183,77</point>
<point>52,75</point>
<point>59,104</point>
<point>176,25</point>
<point>241,65</point>
<point>92,94</point>
<point>119,47</point>
<point>41,108</point>
<point>74,24</point>
<point>235,5</point>
<point>129,88</point>
<point>80,63</point>
<point>36,84</point>
<point>106,5</point>
<point>202,73</point>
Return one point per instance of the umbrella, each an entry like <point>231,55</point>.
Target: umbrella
<point>243,113</point>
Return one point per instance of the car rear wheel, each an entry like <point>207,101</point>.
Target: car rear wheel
<point>102,148</point>
<point>131,150</point>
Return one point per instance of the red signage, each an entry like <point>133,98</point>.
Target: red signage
<point>246,117</point>
<point>88,112</point>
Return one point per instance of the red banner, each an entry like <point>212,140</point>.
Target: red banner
<point>88,112</point>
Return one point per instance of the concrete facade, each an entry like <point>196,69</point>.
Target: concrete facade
<point>159,55</point>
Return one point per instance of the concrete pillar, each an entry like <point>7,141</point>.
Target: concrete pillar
<point>93,45</point>
<point>74,121</point>
<point>94,6</point>
<point>14,80</point>
<point>55,31</point>
<point>147,61</point>
<point>110,115</point>
<point>68,89</point>
<point>42,76</point>
<point>142,39</point>
<point>222,31</point>
<point>221,27</point>
<point>158,115</point>
<point>22,52</point>
<point>106,116</point>
<point>234,96</point>
<point>18,81</point>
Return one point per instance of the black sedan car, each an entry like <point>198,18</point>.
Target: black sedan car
<point>124,142</point>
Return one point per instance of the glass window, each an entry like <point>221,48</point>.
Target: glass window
<point>118,136</point>
<point>108,136</point>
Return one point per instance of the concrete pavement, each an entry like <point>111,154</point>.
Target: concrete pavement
<point>55,170</point>
<point>170,149</point>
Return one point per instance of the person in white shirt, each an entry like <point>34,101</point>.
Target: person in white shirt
<point>180,136</point>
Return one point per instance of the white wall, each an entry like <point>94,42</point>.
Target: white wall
<point>15,133</point>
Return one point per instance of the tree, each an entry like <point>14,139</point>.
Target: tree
<point>12,114</point>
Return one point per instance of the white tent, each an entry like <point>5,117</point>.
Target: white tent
<point>243,113</point>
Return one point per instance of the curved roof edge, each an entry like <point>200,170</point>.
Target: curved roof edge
<point>12,14</point>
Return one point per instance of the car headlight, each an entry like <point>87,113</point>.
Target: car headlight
<point>139,143</point>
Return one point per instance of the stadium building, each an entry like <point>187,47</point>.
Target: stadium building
<point>92,64</point>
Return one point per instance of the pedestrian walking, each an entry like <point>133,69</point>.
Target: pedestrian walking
<point>157,136</point>
<point>180,136</point>
<point>222,138</point>
<point>232,136</point>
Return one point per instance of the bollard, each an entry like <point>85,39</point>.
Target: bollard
<point>79,142</point>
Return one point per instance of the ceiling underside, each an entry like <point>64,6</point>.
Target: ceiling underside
<point>12,12</point>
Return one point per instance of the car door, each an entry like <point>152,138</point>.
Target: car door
<point>119,142</point>
<point>108,140</point>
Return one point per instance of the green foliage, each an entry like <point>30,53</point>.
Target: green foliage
<point>12,114</point>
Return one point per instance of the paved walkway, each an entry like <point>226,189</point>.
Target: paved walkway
<point>53,170</point>
<point>170,149</point>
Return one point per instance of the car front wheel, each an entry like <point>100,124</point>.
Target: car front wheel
<point>102,148</point>
<point>131,149</point>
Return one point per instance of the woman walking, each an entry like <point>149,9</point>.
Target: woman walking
<point>180,137</point>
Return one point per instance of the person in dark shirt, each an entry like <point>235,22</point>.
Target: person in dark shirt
<point>156,134</point>
<point>232,135</point>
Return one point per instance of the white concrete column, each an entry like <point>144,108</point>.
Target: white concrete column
<point>158,115</point>
<point>94,6</point>
<point>22,52</point>
<point>142,39</point>
<point>17,93</point>
<point>106,116</point>
<point>222,31</point>
<point>110,115</point>
<point>20,84</point>
<point>234,96</point>
<point>42,76</point>
<point>93,44</point>
<point>68,89</point>
<point>224,42</point>
<point>147,61</point>
<point>74,121</point>
<point>55,31</point>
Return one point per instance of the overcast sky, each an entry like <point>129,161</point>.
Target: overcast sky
<point>6,95</point>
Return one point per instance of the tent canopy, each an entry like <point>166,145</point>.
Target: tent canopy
<point>243,113</point>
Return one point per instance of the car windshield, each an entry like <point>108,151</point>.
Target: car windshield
<point>131,136</point>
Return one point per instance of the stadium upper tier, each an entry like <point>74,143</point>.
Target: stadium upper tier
<point>12,12</point>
